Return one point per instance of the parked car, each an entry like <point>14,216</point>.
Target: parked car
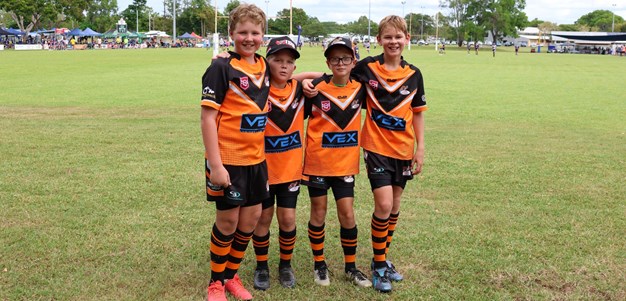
<point>422,42</point>
<point>508,43</point>
<point>523,44</point>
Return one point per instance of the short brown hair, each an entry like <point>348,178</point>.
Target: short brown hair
<point>246,12</point>
<point>394,21</point>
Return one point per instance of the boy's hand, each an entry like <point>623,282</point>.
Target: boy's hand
<point>220,177</point>
<point>308,88</point>
<point>221,55</point>
<point>417,162</point>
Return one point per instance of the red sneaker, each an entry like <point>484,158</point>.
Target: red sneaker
<point>235,288</point>
<point>215,291</point>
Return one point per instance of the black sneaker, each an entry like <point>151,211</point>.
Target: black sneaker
<point>261,279</point>
<point>287,277</point>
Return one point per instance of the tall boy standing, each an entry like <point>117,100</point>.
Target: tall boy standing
<point>234,100</point>
<point>393,137</point>
<point>332,133</point>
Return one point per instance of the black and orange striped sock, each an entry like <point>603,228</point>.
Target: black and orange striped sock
<point>348,243</point>
<point>237,251</point>
<point>379,240</point>
<point>316,239</point>
<point>220,246</point>
<point>261,249</point>
<point>287,242</point>
<point>393,221</point>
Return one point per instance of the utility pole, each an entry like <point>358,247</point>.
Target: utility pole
<point>403,3</point>
<point>613,24</point>
<point>174,25</point>
<point>267,14</point>
<point>290,18</point>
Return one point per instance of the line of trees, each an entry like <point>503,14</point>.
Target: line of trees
<point>458,20</point>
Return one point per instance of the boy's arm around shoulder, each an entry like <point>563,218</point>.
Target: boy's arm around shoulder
<point>306,78</point>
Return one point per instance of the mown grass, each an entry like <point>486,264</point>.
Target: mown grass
<point>522,195</point>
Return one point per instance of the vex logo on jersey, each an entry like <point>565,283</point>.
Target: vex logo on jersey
<point>279,144</point>
<point>340,139</point>
<point>253,123</point>
<point>388,122</point>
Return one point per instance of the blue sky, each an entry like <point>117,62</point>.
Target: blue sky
<point>560,12</point>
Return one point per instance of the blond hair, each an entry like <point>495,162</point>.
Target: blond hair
<point>393,21</point>
<point>246,12</point>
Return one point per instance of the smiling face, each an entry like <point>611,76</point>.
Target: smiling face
<point>282,64</point>
<point>392,40</point>
<point>247,37</point>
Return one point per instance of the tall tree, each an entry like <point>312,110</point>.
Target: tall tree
<point>500,17</point>
<point>28,13</point>
<point>457,17</point>
<point>281,24</point>
<point>601,20</point>
<point>359,27</point>
<point>101,15</point>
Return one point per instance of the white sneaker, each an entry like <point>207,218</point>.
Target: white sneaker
<point>358,278</point>
<point>321,276</point>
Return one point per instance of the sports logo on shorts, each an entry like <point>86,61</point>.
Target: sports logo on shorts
<point>373,84</point>
<point>406,171</point>
<point>244,82</point>
<point>293,187</point>
<point>325,105</point>
<point>348,179</point>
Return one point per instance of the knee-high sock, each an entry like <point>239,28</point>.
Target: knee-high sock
<point>349,243</point>
<point>393,221</point>
<point>379,240</point>
<point>261,246</point>
<point>220,247</point>
<point>316,239</point>
<point>237,251</point>
<point>287,242</point>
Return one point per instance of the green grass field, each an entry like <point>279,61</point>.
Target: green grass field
<point>523,194</point>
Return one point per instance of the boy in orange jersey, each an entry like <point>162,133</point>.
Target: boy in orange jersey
<point>284,151</point>
<point>234,100</point>
<point>392,136</point>
<point>333,132</point>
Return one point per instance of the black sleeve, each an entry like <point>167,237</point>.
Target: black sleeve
<point>215,81</point>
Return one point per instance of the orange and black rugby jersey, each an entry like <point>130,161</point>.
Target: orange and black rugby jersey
<point>284,133</point>
<point>239,92</point>
<point>392,98</point>
<point>332,144</point>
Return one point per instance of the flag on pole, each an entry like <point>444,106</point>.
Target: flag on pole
<point>299,33</point>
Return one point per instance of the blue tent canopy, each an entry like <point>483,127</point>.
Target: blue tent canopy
<point>88,32</point>
<point>186,35</point>
<point>75,32</point>
<point>10,32</point>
